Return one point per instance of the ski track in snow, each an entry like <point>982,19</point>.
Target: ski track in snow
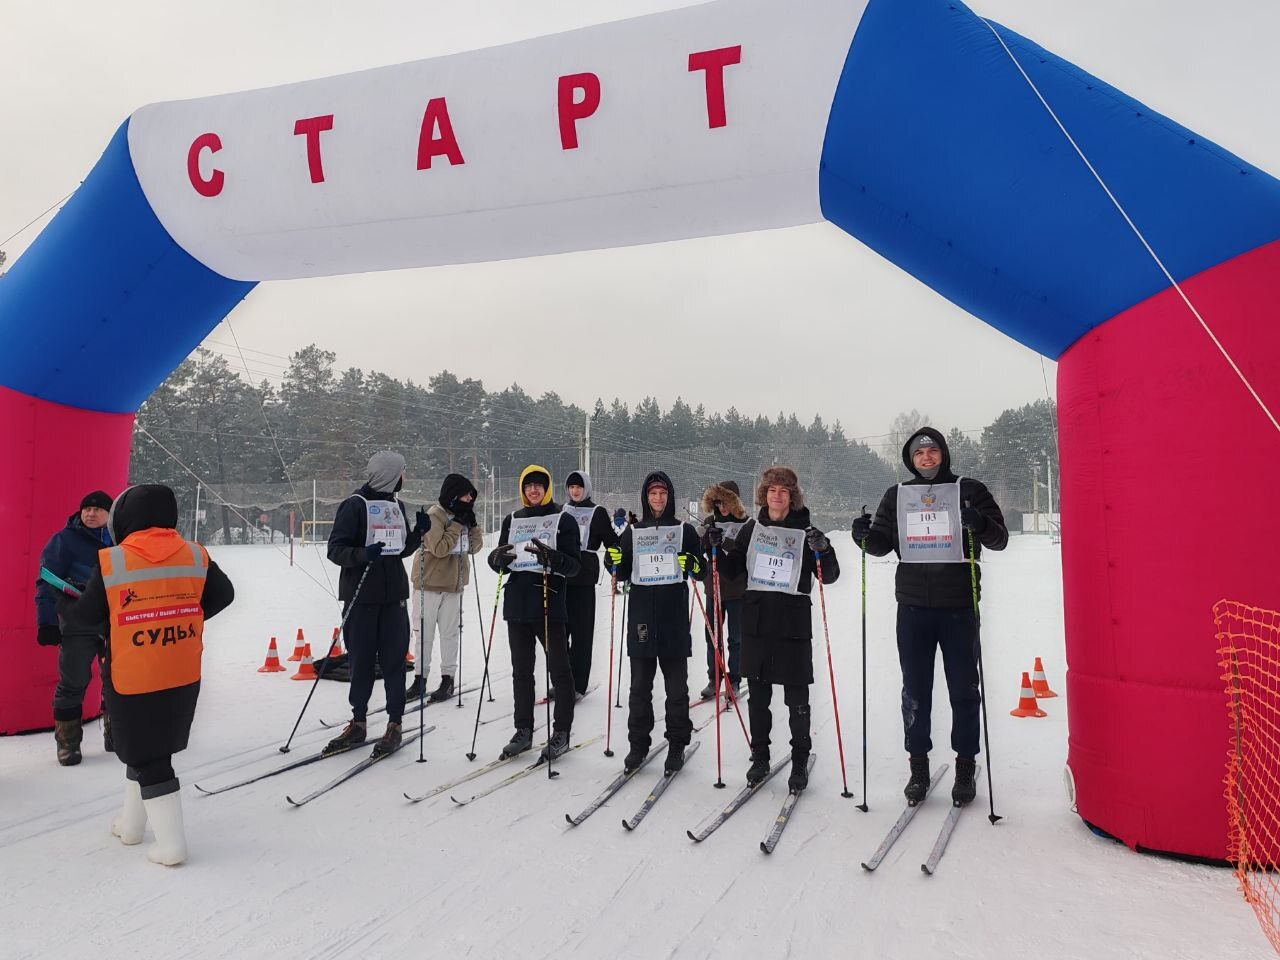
<point>362,873</point>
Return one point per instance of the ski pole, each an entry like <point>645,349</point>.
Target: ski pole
<point>982,683</point>
<point>715,587</point>
<point>626,593</point>
<point>831,672</point>
<point>422,652</point>
<point>492,626</point>
<point>608,714</point>
<point>546,662</point>
<point>720,666</point>
<point>320,673</point>
<point>461,591</point>
<point>480,620</point>
<point>863,805</point>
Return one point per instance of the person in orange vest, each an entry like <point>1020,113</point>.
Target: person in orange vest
<point>155,590</point>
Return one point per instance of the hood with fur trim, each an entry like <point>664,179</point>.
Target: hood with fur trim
<point>728,501</point>
<point>783,477</point>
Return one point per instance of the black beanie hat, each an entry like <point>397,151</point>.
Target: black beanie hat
<point>455,485</point>
<point>731,485</point>
<point>97,499</point>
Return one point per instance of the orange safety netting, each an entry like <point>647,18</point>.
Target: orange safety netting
<point>1249,650</point>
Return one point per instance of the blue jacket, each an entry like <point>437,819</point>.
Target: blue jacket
<point>72,554</point>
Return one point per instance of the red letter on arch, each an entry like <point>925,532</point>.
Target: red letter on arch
<point>714,62</point>
<point>445,145</point>
<point>313,127</point>
<point>213,186</point>
<point>571,110</point>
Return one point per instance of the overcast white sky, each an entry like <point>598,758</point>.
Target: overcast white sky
<point>74,70</point>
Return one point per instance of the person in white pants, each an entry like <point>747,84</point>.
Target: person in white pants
<point>439,578</point>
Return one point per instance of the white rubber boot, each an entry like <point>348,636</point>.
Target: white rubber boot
<point>165,814</point>
<point>131,823</point>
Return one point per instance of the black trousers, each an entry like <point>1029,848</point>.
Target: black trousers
<point>377,633</point>
<point>921,631</point>
<point>580,630</point>
<point>796,697</point>
<point>155,777</point>
<point>731,633</point>
<point>675,678</point>
<point>523,638</point>
<point>75,668</point>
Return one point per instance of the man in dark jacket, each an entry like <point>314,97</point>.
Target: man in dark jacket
<point>657,556</point>
<point>369,540</point>
<point>594,531</point>
<point>722,505</point>
<point>935,522</point>
<point>72,555</point>
<point>538,548</point>
<point>777,614</point>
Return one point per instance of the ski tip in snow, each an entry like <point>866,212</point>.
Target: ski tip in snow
<point>692,837</point>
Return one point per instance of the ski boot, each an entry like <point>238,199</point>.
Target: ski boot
<point>708,691</point>
<point>918,785</point>
<point>442,692</point>
<point>964,789</point>
<point>416,690</point>
<point>759,768</point>
<point>521,741</point>
<point>351,736</point>
<point>675,758</point>
<point>733,687</point>
<point>634,758</point>
<point>390,741</point>
<point>557,746</point>
<point>67,734</point>
<point>799,778</point>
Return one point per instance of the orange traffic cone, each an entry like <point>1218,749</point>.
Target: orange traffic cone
<point>306,669</point>
<point>272,663</point>
<point>1027,701</point>
<point>335,648</point>
<point>297,648</point>
<point>1038,682</point>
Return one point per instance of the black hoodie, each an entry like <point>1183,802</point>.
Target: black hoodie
<point>658,616</point>
<point>937,584</point>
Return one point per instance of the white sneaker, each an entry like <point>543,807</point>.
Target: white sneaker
<point>165,814</point>
<point>132,822</point>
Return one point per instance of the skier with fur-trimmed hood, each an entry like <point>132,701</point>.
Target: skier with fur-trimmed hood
<point>931,521</point>
<point>594,531</point>
<point>722,504</point>
<point>777,551</point>
<point>657,555</point>
<point>369,539</point>
<point>538,551</point>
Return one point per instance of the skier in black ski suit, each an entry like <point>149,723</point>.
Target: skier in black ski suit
<point>658,632</point>
<point>936,609</point>
<point>72,555</point>
<point>777,617</point>
<point>580,595</point>
<point>534,605</point>
<point>376,610</point>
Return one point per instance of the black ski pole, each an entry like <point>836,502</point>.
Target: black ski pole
<point>546,662</point>
<point>492,627</point>
<point>485,645</point>
<point>320,673</point>
<point>422,648</point>
<point>863,805</point>
<point>982,683</point>
<point>622,658</point>
<point>461,592</point>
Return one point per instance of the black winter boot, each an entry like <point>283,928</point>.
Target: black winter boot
<point>67,734</point>
<point>520,741</point>
<point>557,746</point>
<point>708,691</point>
<point>964,789</point>
<point>799,778</point>
<point>918,785</point>
<point>416,690</point>
<point>351,737</point>
<point>635,756</point>
<point>390,742</point>
<point>442,692</point>
<point>759,768</point>
<point>675,758</point>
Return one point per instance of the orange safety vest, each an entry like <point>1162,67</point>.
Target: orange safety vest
<point>155,614</point>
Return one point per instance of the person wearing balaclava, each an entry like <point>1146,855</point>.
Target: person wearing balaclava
<point>930,521</point>
<point>155,591</point>
<point>440,576</point>
<point>595,531</point>
<point>369,539</point>
<point>538,551</point>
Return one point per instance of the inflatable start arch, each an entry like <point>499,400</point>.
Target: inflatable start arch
<point>912,126</point>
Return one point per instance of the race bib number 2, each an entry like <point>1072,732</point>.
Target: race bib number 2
<point>771,568</point>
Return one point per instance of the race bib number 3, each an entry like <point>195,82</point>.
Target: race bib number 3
<point>656,567</point>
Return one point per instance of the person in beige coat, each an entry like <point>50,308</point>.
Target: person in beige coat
<point>439,579</point>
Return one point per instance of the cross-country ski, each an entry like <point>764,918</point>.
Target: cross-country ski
<point>358,768</point>
<point>768,844</point>
<point>658,790</point>
<point>537,766</point>
<point>944,837</point>
<point>908,814</point>
<point>618,782</point>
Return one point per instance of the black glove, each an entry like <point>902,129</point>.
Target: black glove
<point>632,518</point>
<point>861,527</point>
<point>817,540</point>
<point>373,552</point>
<point>48,635</point>
<point>546,556</point>
<point>501,557</point>
<point>714,536</point>
<point>422,522</point>
<point>466,515</point>
<point>971,519</point>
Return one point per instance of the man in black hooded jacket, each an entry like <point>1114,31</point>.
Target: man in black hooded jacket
<point>935,522</point>
<point>595,531</point>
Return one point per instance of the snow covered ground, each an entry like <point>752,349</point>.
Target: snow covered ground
<point>361,873</point>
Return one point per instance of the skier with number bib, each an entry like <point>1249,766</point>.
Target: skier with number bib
<point>722,504</point>
<point>538,551</point>
<point>930,522</point>
<point>776,551</point>
<point>594,531</point>
<point>657,555</point>
<point>369,540</point>
<point>440,578</point>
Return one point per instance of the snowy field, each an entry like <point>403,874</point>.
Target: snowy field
<point>362,873</point>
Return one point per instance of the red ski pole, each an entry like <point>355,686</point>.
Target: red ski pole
<point>831,672</point>
<point>715,589</point>
<point>720,667</point>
